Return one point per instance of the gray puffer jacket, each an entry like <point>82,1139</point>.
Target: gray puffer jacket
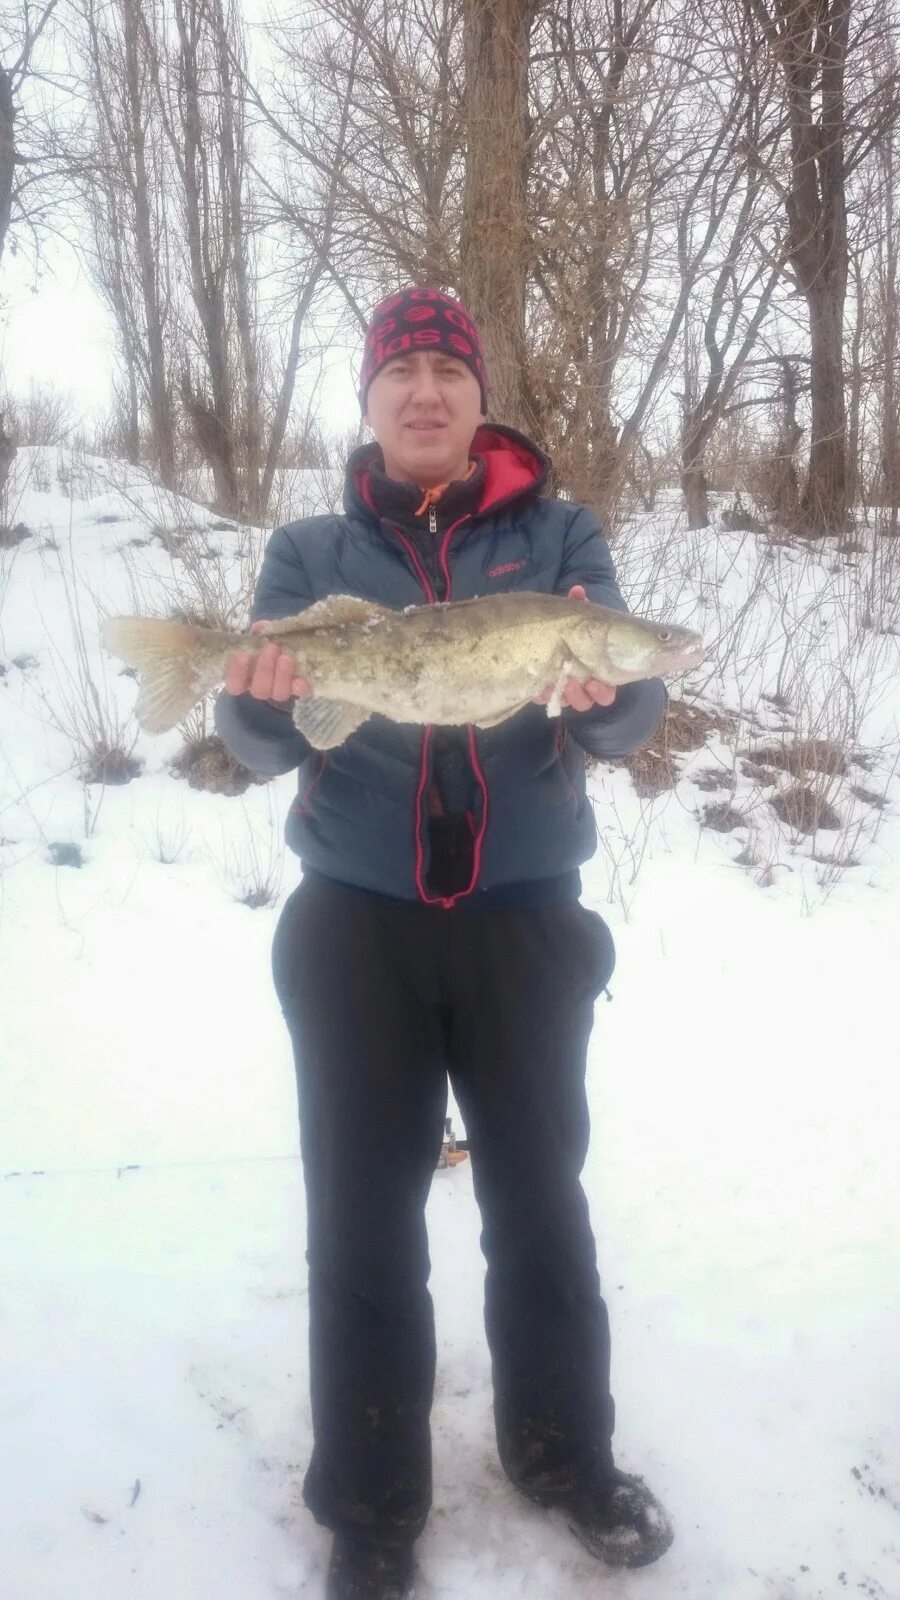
<point>360,813</point>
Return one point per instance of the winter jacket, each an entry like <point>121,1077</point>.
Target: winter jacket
<point>361,810</point>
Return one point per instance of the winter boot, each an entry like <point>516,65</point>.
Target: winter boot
<point>622,1523</point>
<point>361,1569</point>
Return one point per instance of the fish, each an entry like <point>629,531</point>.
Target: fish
<point>451,664</point>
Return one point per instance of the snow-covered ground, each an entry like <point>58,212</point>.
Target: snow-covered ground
<point>743,1173</point>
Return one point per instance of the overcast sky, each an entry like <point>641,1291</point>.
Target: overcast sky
<point>60,333</point>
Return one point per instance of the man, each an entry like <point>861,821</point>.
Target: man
<point>438,929</point>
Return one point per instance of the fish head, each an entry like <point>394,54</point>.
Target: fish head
<point>622,649</point>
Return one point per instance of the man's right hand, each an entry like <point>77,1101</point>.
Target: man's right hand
<point>269,676</point>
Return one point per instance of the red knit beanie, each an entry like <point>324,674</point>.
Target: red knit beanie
<point>420,318</point>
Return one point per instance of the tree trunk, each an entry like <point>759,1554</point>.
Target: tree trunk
<point>811,43</point>
<point>131,412</point>
<point>159,396</point>
<point>696,497</point>
<point>285,395</point>
<point>243,279</point>
<point>7,454</point>
<point>890,400</point>
<point>207,217</point>
<point>7,162</point>
<point>785,483</point>
<point>855,483</point>
<point>824,501</point>
<point>7,154</point>
<point>495,249</point>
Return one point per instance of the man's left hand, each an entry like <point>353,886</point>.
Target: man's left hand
<point>578,696</point>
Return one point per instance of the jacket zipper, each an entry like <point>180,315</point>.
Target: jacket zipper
<point>478,839</point>
<point>431,598</point>
<point>417,565</point>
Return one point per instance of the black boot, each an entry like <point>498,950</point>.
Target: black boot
<point>363,1570</point>
<point>622,1524</point>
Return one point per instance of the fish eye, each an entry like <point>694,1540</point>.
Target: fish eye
<point>664,636</point>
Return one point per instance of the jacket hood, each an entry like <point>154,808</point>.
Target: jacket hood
<point>513,468</point>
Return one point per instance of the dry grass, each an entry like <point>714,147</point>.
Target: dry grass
<point>110,766</point>
<point>868,796</point>
<point>82,708</point>
<point>765,777</point>
<point>683,728</point>
<point>712,778</point>
<point>10,537</point>
<point>192,615</point>
<point>803,755</point>
<point>208,764</point>
<point>802,808</point>
<point>652,771</point>
<point>722,818</point>
<point>686,727</point>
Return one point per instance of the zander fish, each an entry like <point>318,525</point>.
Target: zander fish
<point>463,661</point>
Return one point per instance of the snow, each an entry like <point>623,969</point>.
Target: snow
<point>742,1175</point>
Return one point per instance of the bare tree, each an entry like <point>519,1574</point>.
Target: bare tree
<point>551,183</point>
<point>495,248</point>
<point>810,43</point>
<point>124,172</point>
<point>196,231</point>
<point>204,122</point>
<point>888,288</point>
<point>367,105</point>
<point>785,483</point>
<point>858,266</point>
<point>647,202</point>
<point>817,44</point>
<point>615,187</point>
<point>23,154</point>
<point>598,187</point>
<point>736,304</point>
<point>26,157</point>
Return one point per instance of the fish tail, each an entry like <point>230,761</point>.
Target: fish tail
<point>178,663</point>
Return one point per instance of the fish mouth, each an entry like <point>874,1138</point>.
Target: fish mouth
<point>682,656</point>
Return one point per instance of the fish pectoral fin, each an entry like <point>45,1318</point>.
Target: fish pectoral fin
<point>493,721</point>
<point>326,723</point>
<point>327,613</point>
<point>569,667</point>
<point>554,704</point>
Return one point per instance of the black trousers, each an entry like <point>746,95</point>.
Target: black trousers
<point>382,1001</point>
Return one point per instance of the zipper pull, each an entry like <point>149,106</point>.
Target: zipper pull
<point>432,520</point>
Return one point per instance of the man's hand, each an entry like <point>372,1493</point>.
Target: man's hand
<point>580,697</point>
<point>269,676</point>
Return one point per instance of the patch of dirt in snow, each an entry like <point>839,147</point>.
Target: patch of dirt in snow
<point>802,808</point>
<point>723,818</point>
<point>817,755</point>
<point>684,728</point>
<point>208,764</point>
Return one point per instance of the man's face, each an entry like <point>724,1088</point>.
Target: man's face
<point>423,409</point>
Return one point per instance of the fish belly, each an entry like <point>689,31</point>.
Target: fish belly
<point>442,692</point>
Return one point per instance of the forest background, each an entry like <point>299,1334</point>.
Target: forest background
<point>675,222</point>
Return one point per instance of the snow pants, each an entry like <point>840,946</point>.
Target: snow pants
<point>383,1000</point>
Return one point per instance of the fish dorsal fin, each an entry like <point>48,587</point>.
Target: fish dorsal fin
<point>328,613</point>
<point>326,723</point>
